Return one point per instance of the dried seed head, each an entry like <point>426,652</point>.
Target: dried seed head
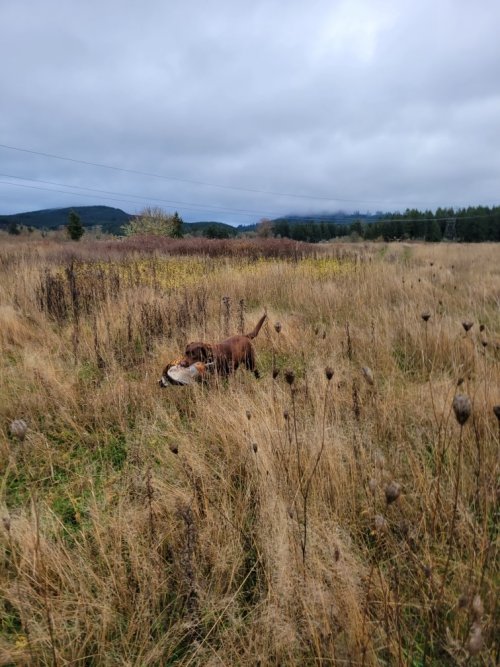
<point>329,373</point>
<point>460,382</point>
<point>276,372</point>
<point>475,643</point>
<point>277,327</point>
<point>286,415</point>
<point>289,376</point>
<point>496,410</point>
<point>173,448</point>
<point>18,429</point>
<point>372,485</point>
<point>379,459</point>
<point>368,375</point>
<point>392,492</point>
<point>6,523</point>
<point>467,325</point>
<point>462,408</point>
<point>249,415</point>
<point>484,342</point>
<point>477,607</point>
<point>482,328</point>
<point>316,331</point>
<point>254,447</point>
<point>426,316</point>
<point>427,571</point>
<point>380,524</point>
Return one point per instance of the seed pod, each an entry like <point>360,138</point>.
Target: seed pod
<point>462,408</point>
<point>249,415</point>
<point>173,448</point>
<point>477,607</point>
<point>277,327</point>
<point>482,328</point>
<point>286,415</point>
<point>426,316</point>
<point>18,428</point>
<point>329,373</point>
<point>368,375</point>
<point>392,492</point>
<point>276,372</point>
<point>254,447</point>
<point>475,643</point>
<point>289,376</point>
<point>380,524</point>
<point>467,325</point>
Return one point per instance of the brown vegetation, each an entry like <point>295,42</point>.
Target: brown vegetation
<point>341,510</point>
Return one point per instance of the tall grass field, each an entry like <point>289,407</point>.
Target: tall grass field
<point>343,509</point>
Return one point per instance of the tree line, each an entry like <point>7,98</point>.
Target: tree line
<point>468,225</point>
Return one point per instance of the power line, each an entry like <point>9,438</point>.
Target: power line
<point>141,197</point>
<point>185,180</point>
<point>304,219</point>
<point>81,194</point>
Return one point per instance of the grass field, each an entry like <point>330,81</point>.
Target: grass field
<point>338,511</point>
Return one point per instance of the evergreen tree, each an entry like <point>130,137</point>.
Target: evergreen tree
<point>74,227</point>
<point>177,223</point>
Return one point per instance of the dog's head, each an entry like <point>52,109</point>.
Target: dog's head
<point>197,352</point>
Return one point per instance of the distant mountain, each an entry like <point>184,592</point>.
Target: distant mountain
<point>110,219</point>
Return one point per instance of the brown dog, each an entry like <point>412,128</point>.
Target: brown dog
<point>227,355</point>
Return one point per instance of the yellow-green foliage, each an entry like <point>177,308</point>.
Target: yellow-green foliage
<point>291,520</point>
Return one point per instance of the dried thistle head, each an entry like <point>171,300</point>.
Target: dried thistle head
<point>289,376</point>
<point>276,372</point>
<point>380,524</point>
<point>277,327</point>
<point>368,375</point>
<point>249,415</point>
<point>174,448</point>
<point>426,316</point>
<point>462,408</point>
<point>254,447</point>
<point>329,373</point>
<point>6,523</point>
<point>496,411</point>
<point>476,641</point>
<point>286,415</point>
<point>18,429</point>
<point>482,328</point>
<point>477,607</point>
<point>467,325</point>
<point>392,492</point>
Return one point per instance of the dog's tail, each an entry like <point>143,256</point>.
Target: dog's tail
<point>254,333</point>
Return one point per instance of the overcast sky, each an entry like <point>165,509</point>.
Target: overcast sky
<point>235,111</point>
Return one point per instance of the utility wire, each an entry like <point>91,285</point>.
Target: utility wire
<point>141,197</point>
<point>81,194</point>
<point>301,219</point>
<point>185,180</point>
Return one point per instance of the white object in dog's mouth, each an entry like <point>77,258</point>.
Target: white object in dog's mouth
<point>183,375</point>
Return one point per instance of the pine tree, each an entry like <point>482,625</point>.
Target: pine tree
<point>177,223</point>
<point>74,227</point>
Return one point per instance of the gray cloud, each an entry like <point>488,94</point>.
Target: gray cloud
<point>374,104</point>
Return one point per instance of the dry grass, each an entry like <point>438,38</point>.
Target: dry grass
<point>314,521</point>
